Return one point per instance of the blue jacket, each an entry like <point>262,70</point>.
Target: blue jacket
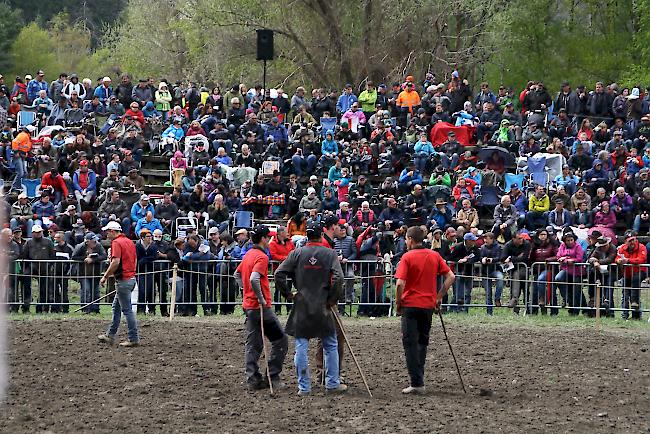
<point>329,146</point>
<point>137,212</point>
<point>34,87</point>
<point>177,132</point>
<point>424,148</point>
<point>278,133</point>
<point>246,247</point>
<point>415,179</point>
<point>144,224</point>
<point>43,209</point>
<point>344,102</point>
<point>92,181</point>
<point>600,175</point>
<point>103,93</point>
<point>442,218</point>
<point>149,110</point>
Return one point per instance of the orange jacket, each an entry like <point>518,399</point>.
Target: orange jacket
<point>408,99</point>
<point>22,143</point>
<point>637,256</point>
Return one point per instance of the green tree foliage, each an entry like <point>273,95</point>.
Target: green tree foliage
<point>10,24</point>
<point>61,47</point>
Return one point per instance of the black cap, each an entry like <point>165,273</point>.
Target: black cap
<point>330,221</point>
<point>259,232</point>
<point>314,231</point>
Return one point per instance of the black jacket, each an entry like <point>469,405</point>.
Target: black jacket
<point>317,275</point>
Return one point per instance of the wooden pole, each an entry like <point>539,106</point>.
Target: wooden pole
<point>335,312</point>
<point>172,308</point>
<point>266,350</point>
<point>96,301</point>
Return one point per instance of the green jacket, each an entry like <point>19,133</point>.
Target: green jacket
<point>446,180</point>
<point>368,100</point>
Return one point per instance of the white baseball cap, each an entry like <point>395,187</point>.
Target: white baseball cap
<point>311,190</point>
<point>111,226</point>
<point>37,228</point>
<point>213,230</point>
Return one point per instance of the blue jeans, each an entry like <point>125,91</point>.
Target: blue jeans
<point>226,144</point>
<point>331,356</point>
<point>14,223</point>
<point>89,291</point>
<point>122,305</point>
<point>20,166</point>
<point>447,161</point>
<point>421,161</point>
<point>302,165</point>
<point>571,290</point>
<point>495,276</point>
<point>463,293</point>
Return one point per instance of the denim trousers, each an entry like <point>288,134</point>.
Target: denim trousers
<point>331,355</point>
<point>122,305</point>
<point>89,291</point>
<point>495,277</point>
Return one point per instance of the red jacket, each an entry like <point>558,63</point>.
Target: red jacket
<point>137,116</point>
<point>279,252</point>
<point>637,256</point>
<point>57,183</point>
<point>469,185</point>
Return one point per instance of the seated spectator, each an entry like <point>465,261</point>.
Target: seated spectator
<point>310,201</point>
<point>409,178</point>
<point>464,189</point>
<point>622,205</point>
<point>218,214</point>
<point>148,222</point>
<point>583,218</point>
<point>330,202</point>
<point>538,207</point>
<point>505,219</point>
<point>567,180</point>
<point>559,218</point>
<point>167,212</point>
<point>467,215</point>
<point>441,215</point>
<point>43,211</point>
<point>85,183</point>
<point>392,216</point>
<point>54,183</point>
<point>22,215</point>
<point>140,209</point>
<point>115,207</point>
<point>424,153</point>
<point>364,217</point>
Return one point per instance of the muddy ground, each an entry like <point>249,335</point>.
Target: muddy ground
<point>187,377</point>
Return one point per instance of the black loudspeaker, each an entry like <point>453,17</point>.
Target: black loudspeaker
<point>265,44</point>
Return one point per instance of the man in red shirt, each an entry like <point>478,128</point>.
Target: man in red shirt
<point>280,247</point>
<point>252,277</point>
<point>122,268</point>
<point>416,300</point>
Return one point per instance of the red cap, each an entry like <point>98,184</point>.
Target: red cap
<point>83,163</point>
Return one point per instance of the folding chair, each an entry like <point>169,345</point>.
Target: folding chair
<point>512,178</point>
<point>185,223</point>
<point>490,196</point>
<point>539,179</point>
<point>327,124</point>
<point>243,219</point>
<point>27,120</point>
<point>31,187</point>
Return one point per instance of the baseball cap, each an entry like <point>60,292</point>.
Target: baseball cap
<point>22,196</point>
<point>213,230</point>
<point>111,226</point>
<point>313,178</point>
<point>157,233</point>
<point>330,220</point>
<point>90,237</point>
<point>144,197</point>
<point>314,230</point>
<point>83,163</point>
<point>28,76</point>
<point>469,237</point>
<point>37,228</point>
<point>311,190</point>
<point>242,231</point>
<point>71,208</point>
<point>260,232</point>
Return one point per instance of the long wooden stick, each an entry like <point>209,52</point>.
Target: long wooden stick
<point>335,312</point>
<point>172,307</point>
<point>266,351</point>
<point>98,300</point>
<point>597,305</point>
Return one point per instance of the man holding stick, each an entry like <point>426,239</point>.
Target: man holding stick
<point>252,277</point>
<point>122,268</point>
<point>317,275</point>
<point>417,298</point>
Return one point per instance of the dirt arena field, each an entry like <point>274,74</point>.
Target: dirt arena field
<point>187,377</point>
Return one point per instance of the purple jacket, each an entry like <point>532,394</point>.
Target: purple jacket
<point>575,253</point>
<point>625,203</point>
<point>606,220</point>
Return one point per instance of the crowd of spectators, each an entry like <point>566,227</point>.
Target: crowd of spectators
<point>365,159</point>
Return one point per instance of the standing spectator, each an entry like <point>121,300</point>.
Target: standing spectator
<point>280,247</point>
<point>90,255</point>
<point>515,255</point>
<point>346,250</point>
<point>61,271</point>
<point>346,100</point>
<point>122,268</point>
<point>465,254</point>
<point>36,85</point>
<point>490,258</point>
<point>104,90</point>
<point>39,250</point>
<point>544,250</point>
<point>147,252</point>
<point>630,256</point>
<point>570,276</point>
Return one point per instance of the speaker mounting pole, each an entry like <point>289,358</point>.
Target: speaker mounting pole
<point>264,77</point>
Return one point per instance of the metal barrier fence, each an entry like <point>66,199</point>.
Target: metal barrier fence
<point>55,286</point>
